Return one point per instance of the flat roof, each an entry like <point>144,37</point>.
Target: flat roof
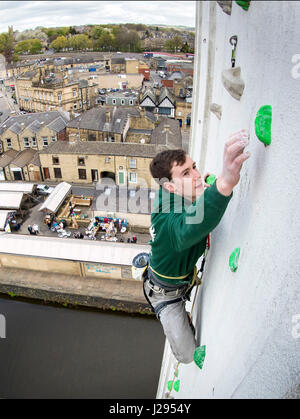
<point>71,249</point>
<point>16,187</point>
<point>10,200</point>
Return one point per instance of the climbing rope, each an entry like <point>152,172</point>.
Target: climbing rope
<point>172,384</point>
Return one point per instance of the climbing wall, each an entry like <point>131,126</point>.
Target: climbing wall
<point>247,311</point>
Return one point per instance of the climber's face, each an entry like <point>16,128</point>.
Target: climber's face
<point>186,180</point>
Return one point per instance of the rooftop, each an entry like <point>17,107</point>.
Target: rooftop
<point>103,148</point>
<point>35,121</point>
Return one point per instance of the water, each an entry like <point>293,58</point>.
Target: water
<point>55,352</point>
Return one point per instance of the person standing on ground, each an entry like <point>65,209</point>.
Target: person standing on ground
<point>185,212</point>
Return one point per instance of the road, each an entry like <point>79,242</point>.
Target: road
<point>7,105</point>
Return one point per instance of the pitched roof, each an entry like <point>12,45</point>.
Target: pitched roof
<point>167,133</point>
<point>7,157</point>
<point>23,158</point>
<point>150,94</point>
<point>165,93</point>
<point>95,119</point>
<point>102,148</point>
<point>34,121</point>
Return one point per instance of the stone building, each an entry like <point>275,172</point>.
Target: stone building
<point>20,165</point>
<point>117,124</point>
<point>121,98</point>
<point>36,131</point>
<point>38,91</point>
<point>86,162</point>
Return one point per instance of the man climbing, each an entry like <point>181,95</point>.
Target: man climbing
<point>185,212</point>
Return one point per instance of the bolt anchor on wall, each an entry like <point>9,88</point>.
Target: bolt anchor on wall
<point>233,41</point>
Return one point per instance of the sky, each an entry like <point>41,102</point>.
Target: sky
<point>30,14</point>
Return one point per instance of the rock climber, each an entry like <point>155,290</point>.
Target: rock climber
<point>185,212</point>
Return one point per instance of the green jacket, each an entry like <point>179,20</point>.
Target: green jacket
<point>179,230</point>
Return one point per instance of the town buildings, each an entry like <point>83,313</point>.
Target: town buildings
<point>40,90</point>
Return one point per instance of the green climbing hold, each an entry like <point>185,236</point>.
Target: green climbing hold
<point>244,4</point>
<point>263,123</point>
<point>199,356</point>
<point>175,386</point>
<point>234,259</point>
<point>210,180</point>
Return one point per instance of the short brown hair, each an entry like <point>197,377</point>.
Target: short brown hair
<point>162,164</point>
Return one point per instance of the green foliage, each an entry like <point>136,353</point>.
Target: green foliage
<point>59,43</point>
<point>174,44</point>
<point>79,42</point>
<point>7,44</point>
<point>28,46</point>
<point>105,42</point>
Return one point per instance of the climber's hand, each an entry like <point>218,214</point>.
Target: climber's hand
<point>233,160</point>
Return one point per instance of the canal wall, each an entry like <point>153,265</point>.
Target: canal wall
<point>70,271</point>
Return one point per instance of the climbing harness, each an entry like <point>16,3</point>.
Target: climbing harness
<point>172,384</point>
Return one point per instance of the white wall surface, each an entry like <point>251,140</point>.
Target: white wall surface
<point>249,320</point>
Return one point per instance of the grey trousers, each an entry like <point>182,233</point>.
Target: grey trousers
<point>175,323</point>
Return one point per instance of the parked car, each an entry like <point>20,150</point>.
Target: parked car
<point>44,189</point>
<point>1,113</point>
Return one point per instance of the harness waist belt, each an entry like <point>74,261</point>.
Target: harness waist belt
<point>167,286</point>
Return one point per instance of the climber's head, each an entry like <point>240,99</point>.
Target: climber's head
<point>176,172</point>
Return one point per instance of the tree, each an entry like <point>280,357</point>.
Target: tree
<point>185,48</point>
<point>105,42</point>
<point>79,42</point>
<point>29,46</point>
<point>59,43</point>
<point>7,44</point>
<point>35,47</point>
<point>173,44</point>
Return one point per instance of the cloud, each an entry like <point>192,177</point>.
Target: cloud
<point>29,14</point>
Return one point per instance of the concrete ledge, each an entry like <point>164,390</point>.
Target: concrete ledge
<point>104,294</point>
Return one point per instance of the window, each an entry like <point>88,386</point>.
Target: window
<point>81,161</point>
<point>82,173</point>
<point>57,173</point>
<point>92,137</point>
<point>130,102</point>
<point>75,106</point>
<point>45,141</point>
<point>107,159</point>
<point>59,96</point>
<point>74,93</point>
<point>114,101</point>
<point>26,142</point>
<point>33,139</point>
<point>132,177</point>
<point>122,101</point>
<point>53,139</point>
<point>132,163</point>
<point>8,142</point>
<point>55,160</point>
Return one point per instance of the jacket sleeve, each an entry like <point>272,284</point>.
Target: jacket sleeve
<point>195,222</point>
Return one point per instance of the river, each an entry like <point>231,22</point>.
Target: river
<point>55,352</point>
